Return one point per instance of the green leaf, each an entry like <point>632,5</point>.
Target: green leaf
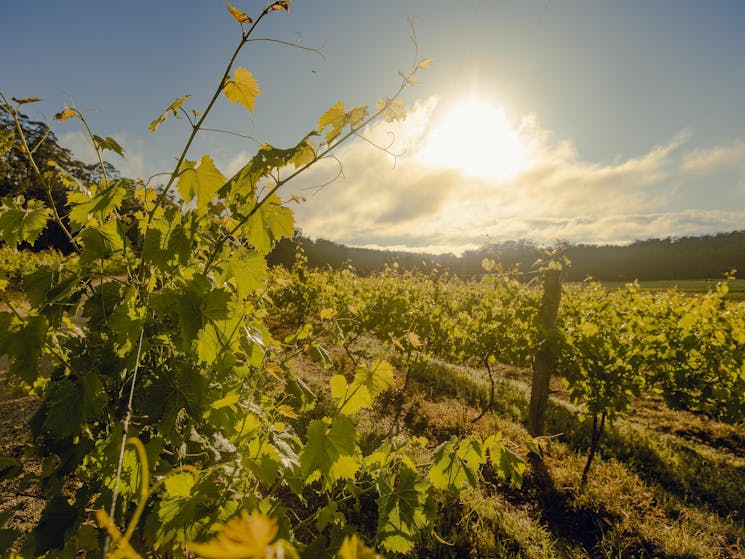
<point>247,270</point>
<point>179,485</point>
<point>101,242</point>
<point>108,143</point>
<point>172,108</point>
<point>335,118</point>
<point>24,343</point>
<point>406,506</point>
<point>203,182</point>
<point>369,382</point>
<point>19,223</point>
<point>331,451</point>
<point>83,207</point>
<point>269,224</point>
<point>505,462</point>
<point>242,89</point>
<point>455,464</point>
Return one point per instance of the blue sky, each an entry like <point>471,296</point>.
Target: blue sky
<point>631,114</point>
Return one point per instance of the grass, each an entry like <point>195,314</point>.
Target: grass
<point>667,484</point>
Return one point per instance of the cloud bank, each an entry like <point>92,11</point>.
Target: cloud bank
<point>380,201</point>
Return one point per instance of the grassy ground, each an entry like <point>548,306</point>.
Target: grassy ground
<point>667,484</point>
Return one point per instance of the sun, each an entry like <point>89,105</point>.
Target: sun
<point>477,139</point>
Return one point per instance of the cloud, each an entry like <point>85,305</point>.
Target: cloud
<point>717,158</point>
<point>403,203</point>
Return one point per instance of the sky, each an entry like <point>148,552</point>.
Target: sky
<point>546,120</point>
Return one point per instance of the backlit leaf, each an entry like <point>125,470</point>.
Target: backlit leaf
<point>392,110</point>
<point>203,182</point>
<point>172,108</point>
<point>242,89</point>
<point>269,224</point>
<point>331,451</point>
<point>334,117</point>
<point>19,223</point>
<point>179,485</point>
<point>405,507</point>
<point>283,5</point>
<point>239,16</point>
<point>65,114</point>
<point>245,537</point>
<point>108,143</point>
<point>354,548</point>
<point>424,64</point>
<point>26,100</point>
<point>455,464</point>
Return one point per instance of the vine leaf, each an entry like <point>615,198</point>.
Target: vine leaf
<point>392,110</point>
<point>203,182</point>
<point>245,537</point>
<point>100,206</point>
<point>281,5</point>
<point>25,100</point>
<point>331,451</point>
<point>22,224</point>
<point>334,117</point>
<point>270,223</point>
<point>354,548</point>
<point>369,382</point>
<point>108,143</point>
<point>424,64</point>
<point>405,507</point>
<point>66,114</point>
<point>172,108</point>
<point>243,88</point>
<point>239,16</point>
<point>456,463</point>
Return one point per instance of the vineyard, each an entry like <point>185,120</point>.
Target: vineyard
<point>165,393</point>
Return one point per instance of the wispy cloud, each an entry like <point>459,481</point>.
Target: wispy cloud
<point>716,158</point>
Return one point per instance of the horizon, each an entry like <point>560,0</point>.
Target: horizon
<point>597,124</point>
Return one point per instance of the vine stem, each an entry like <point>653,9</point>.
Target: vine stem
<point>125,431</point>
<point>198,125</point>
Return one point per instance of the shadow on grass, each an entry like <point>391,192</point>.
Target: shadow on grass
<point>679,468</point>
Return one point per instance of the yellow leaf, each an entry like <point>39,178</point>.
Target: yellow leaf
<point>335,118</point>
<point>392,110</point>
<point>283,5</point>
<point>65,114</point>
<point>424,64</point>
<point>172,108</point>
<point>354,548</point>
<point>242,89</point>
<point>357,115</point>
<point>246,537</point>
<point>25,100</point>
<point>239,16</point>
<point>413,339</point>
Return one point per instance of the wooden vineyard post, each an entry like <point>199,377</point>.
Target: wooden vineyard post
<point>545,357</point>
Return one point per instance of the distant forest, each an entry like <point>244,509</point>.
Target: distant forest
<point>704,257</point>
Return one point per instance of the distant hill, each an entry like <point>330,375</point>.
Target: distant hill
<point>708,256</point>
